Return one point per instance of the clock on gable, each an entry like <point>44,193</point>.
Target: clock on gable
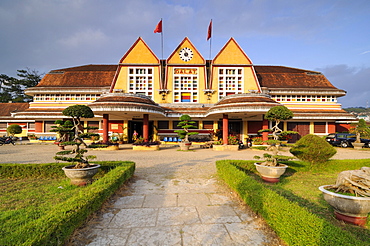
<point>186,54</point>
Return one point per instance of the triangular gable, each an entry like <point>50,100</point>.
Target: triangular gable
<point>139,53</point>
<point>175,57</point>
<point>231,53</point>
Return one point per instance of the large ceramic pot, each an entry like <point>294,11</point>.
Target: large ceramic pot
<point>358,145</point>
<point>82,176</point>
<point>271,174</point>
<point>185,145</point>
<point>350,209</point>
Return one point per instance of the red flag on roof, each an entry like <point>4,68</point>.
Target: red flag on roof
<point>209,31</point>
<point>158,28</point>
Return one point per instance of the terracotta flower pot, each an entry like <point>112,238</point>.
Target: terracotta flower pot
<point>350,209</point>
<point>271,174</point>
<point>82,176</point>
<point>185,145</point>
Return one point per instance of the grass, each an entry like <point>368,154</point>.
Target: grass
<point>39,210</point>
<point>300,185</point>
<point>28,199</point>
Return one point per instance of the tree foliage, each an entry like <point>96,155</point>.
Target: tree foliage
<point>14,129</point>
<point>277,114</point>
<point>360,129</point>
<point>185,123</point>
<point>12,89</point>
<point>313,149</point>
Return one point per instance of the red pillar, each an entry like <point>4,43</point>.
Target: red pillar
<point>265,125</point>
<point>105,128</point>
<point>225,128</point>
<point>146,127</point>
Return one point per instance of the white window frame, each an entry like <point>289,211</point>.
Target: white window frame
<point>226,79</point>
<point>141,80</point>
<point>190,85</point>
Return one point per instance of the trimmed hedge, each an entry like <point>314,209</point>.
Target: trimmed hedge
<point>292,223</point>
<point>55,227</point>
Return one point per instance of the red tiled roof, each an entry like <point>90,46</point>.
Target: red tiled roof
<point>83,76</point>
<point>286,77</point>
<point>7,108</point>
<point>245,99</point>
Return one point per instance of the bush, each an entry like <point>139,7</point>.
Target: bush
<point>313,149</point>
<point>14,129</point>
<point>293,223</point>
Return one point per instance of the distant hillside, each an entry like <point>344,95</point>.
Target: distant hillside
<point>358,110</point>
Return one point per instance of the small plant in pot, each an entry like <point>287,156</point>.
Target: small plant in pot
<point>270,169</point>
<point>360,129</point>
<point>185,123</point>
<point>80,172</point>
<point>350,196</point>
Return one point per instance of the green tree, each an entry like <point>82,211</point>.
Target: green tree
<point>277,114</point>
<point>360,129</point>
<point>14,129</point>
<point>12,89</point>
<point>185,123</point>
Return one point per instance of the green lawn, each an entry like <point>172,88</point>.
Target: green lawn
<point>300,184</point>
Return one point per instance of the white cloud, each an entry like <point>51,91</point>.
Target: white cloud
<point>87,37</point>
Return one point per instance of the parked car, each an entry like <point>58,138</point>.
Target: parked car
<point>345,140</point>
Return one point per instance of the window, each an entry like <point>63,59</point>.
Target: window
<point>3,125</point>
<point>140,81</point>
<point>320,127</point>
<point>207,124</point>
<point>185,85</point>
<point>93,124</point>
<point>31,126</point>
<point>163,124</point>
<point>230,81</point>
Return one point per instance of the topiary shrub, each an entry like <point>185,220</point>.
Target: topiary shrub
<point>14,129</point>
<point>313,149</point>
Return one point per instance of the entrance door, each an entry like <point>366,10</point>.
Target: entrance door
<point>235,128</point>
<point>137,125</point>
<point>303,128</point>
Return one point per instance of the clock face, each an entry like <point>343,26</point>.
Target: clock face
<point>186,54</point>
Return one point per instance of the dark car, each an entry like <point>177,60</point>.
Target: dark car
<point>345,140</point>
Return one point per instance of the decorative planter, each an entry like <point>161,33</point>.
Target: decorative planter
<point>112,147</point>
<point>350,209</point>
<point>185,145</point>
<point>225,147</point>
<point>358,145</point>
<point>151,147</point>
<point>271,174</point>
<point>82,176</point>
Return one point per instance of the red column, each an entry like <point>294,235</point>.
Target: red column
<point>265,125</point>
<point>105,128</point>
<point>146,127</point>
<point>225,128</point>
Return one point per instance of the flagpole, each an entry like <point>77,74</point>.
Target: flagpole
<point>210,43</point>
<point>162,38</point>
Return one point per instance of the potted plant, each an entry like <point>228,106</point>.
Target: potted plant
<point>185,123</point>
<point>140,144</point>
<point>270,169</point>
<point>233,144</point>
<point>80,171</point>
<point>350,196</point>
<point>360,129</point>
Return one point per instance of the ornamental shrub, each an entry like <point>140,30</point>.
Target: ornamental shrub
<point>14,129</point>
<point>313,149</point>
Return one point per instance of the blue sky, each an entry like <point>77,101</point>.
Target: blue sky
<point>330,36</point>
